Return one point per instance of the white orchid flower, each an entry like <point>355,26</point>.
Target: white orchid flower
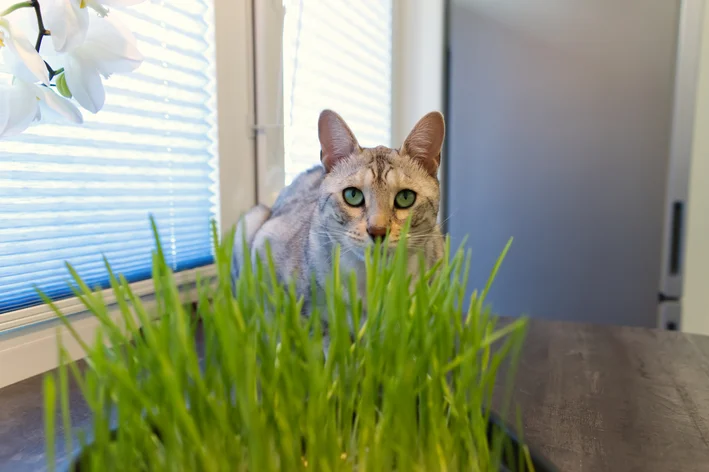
<point>54,108</point>
<point>89,47</point>
<point>109,48</point>
<point>18,108</point>
<point>20,55</point>
<point>68,20</point>
<point>21,103</point>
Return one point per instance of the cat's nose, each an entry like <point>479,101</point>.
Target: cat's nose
<point>376,232</point>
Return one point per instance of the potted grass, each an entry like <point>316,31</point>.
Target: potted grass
<point>408,385</point>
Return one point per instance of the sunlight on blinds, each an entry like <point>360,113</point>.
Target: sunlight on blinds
<point>78,193</point>
<point>336,54</point>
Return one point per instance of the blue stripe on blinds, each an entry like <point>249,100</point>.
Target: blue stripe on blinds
<point>336,54</point>
<point>82,193</point>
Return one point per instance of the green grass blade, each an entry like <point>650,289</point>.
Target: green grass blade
<point>395,380</point>
<point>50,403</point>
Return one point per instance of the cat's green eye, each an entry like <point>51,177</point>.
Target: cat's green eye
<point>353,196</point>
<point>405,198</point>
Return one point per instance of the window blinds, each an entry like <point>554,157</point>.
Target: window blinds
<point>78,193</point>
<point>337,54</point>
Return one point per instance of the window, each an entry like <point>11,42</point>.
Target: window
<point>78,193</point>
<point>337,54</point>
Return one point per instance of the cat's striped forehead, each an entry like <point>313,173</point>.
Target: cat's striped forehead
<point>380,161</point>
<point>377,163</point>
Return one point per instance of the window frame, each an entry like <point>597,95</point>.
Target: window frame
<point>268,16</point>
<point>418,48</point>
<point>28,340</point>
<point>419,70</point>
<point>250,142</point>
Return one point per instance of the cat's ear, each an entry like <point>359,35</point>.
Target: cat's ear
<point>425,141</point>
<point>337,141</point>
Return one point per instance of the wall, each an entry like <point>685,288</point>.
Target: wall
<point>696,289</point>
<point>558,136</point>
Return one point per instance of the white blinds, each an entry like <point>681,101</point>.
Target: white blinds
<point>337,54</point>
<point>78,193</point>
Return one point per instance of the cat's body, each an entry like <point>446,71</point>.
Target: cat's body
<point>354,197</point>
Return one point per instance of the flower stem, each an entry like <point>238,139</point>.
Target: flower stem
<point>16,6</point>
<point>40,24</point>
<point>54,73</point>
<point>41,34</point>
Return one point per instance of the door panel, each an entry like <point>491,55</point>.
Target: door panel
<point>559,130</point>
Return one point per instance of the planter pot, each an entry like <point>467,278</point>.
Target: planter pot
<point>496,426</point>
<point>540,463</point>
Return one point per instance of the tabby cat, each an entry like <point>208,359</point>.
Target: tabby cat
<point>354,197</point>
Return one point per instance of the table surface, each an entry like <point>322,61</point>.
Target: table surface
<point>593,398</point>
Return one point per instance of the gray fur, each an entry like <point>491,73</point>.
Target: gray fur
<point>310,216</point>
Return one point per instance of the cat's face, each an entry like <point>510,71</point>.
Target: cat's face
<point>375,191</point>
<point>369,192</point>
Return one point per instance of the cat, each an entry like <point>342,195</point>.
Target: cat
<point>354,197</point>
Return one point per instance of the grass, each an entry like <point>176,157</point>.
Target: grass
<point>406,387</point>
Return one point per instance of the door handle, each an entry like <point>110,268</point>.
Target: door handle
<point>676,241</point>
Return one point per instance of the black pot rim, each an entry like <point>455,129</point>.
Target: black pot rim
<point>539,461</point>
<point>496,426</point>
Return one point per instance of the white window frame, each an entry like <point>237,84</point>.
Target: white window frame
<point>31,349</point>
<point>250,132</point>
<point>419,66</point>
<point>268,73</point>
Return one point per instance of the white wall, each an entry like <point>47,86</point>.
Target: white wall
<point>695,298</point>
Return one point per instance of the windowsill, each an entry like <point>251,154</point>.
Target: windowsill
<point>32,350</point>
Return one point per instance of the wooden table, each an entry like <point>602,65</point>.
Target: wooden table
<point>598,398</point>
<point>594,398</point>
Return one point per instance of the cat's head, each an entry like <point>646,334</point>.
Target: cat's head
<point>369,191</point>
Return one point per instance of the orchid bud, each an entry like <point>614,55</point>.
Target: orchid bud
<point>62,87</point>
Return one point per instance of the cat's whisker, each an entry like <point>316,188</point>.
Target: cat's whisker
<point>450,215</point>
